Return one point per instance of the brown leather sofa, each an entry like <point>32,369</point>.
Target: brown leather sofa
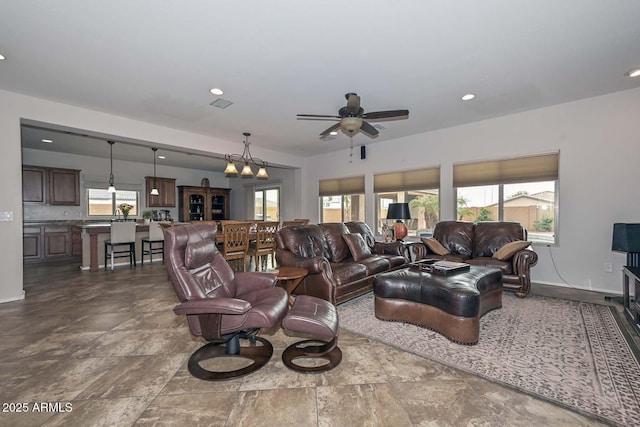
<point>476,244</point>
<point>334,274</point>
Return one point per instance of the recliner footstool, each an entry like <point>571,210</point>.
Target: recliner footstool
<point>318,319</point>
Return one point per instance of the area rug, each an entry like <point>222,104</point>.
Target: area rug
<point>571,353</point>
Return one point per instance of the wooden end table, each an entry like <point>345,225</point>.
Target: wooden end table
<point>289,278</point>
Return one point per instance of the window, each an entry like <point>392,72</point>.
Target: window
<point>102,203</point>
<point>267,200</point>
<point>342,199</point>
<point>522,189</point>
<point>417,187</point>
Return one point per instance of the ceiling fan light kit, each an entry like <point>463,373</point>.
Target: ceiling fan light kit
<point>352,118</point>
<point>247,159</point>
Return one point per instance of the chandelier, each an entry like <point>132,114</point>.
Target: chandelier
<point>248,160</point>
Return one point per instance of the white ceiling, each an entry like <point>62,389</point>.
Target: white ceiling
<point>155,60</point>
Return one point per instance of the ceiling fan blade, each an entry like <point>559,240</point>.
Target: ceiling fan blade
<point>369,130</point>
<point>331,129</point>
<point>387,115</point>
<point>302,116</point>
<point>353,103</point>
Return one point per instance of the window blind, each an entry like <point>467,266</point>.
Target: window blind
<point>543,167</point>
<point>338,186</point>
<point>417,179</point>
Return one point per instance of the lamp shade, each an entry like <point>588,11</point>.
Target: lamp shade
<point>398,211</point>
<point>626,237</point>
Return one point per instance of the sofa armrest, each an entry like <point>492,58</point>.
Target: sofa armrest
<point>523,261</point>
<point>315,265</point>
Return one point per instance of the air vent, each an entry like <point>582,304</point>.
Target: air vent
<point>221,103</point>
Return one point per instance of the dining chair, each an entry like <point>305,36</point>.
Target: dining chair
<point>294,222</point>
<point>235,243</point>
<point>121,234</point>
<point>264,244</point>
<point>154,244</point>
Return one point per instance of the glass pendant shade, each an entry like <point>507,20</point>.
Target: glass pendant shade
<point>262,173</point>
<point>231,169</point>
<point>246,170</point>
<point>154,192</point>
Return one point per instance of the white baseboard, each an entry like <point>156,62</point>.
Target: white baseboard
<point>18,298</point>
<point>564,285</point>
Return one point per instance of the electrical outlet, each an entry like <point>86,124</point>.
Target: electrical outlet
<point>608,267</point>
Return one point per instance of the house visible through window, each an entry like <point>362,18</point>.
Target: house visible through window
<point>342,199</point>
<point>102,203</point>
<point>417,187</point>
<point>267,200</point>
<point>523,190</point>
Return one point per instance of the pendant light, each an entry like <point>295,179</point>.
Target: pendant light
<point>247,159</point>
<point>112,187</point>
<point>154,191</point>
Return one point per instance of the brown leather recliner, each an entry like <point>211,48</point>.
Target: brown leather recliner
<point>221,306</point>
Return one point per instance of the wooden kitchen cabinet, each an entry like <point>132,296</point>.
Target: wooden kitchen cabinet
<point>64,187</point>
<point>203,203</point>
<point>167,189</point>
<point>50,241</point>
<point>34,184</point>
<point>53,186</point>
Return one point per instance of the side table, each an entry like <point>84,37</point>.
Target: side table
<point>289,278</point>
<point>631,277</point>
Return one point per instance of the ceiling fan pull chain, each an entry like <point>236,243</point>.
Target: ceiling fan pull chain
<point>351,154</point>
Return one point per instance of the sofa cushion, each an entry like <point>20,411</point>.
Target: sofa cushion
<point>456,236</point>
<point>434,246</point>
<point>363,229</point>
<point>347,272</point>
<point>375,264</point>
<point>357,246</point>
<point>508,250</point>
<point>490,236</point>
<point>338,248</point>
<point>306,241</point>
<point>504,266</point>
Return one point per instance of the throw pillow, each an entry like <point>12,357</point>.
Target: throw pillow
<point>357,246</point>
<point>434,246</point>
<point>508,250</point>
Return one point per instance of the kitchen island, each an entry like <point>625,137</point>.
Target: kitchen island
<point>93,237</point>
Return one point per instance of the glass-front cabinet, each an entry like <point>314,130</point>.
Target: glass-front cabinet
<point>203,203</point>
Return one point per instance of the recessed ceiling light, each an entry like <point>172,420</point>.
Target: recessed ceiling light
<point>2,57</point>
<point>333,133</point>
<point>162,157</point>
<point>468,97</point>
<point>634,73</point>
<point>216,91</point>
<point>48,141</point>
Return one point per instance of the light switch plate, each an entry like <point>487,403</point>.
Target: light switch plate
<point>6,216</point>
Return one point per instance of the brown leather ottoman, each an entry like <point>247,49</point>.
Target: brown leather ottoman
<point>318,319</point>
<point>451,305</point>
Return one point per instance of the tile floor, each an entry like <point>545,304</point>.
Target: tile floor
<point>105,349</point>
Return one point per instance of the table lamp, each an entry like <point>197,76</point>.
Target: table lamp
<point>626,238</point>
<point>399,211</point>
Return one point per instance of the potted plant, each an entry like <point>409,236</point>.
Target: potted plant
<point>147,216</point>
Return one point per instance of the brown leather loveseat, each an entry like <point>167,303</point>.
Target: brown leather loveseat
<point>342,258</point>
<point>484,244</point>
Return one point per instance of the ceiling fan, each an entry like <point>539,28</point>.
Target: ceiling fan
<point>352,118</point>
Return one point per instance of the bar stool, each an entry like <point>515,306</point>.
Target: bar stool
<point>156,237</point>
<point>122,234</point>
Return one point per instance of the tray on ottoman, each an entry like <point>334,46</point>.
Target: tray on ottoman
<point>450,305</point>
